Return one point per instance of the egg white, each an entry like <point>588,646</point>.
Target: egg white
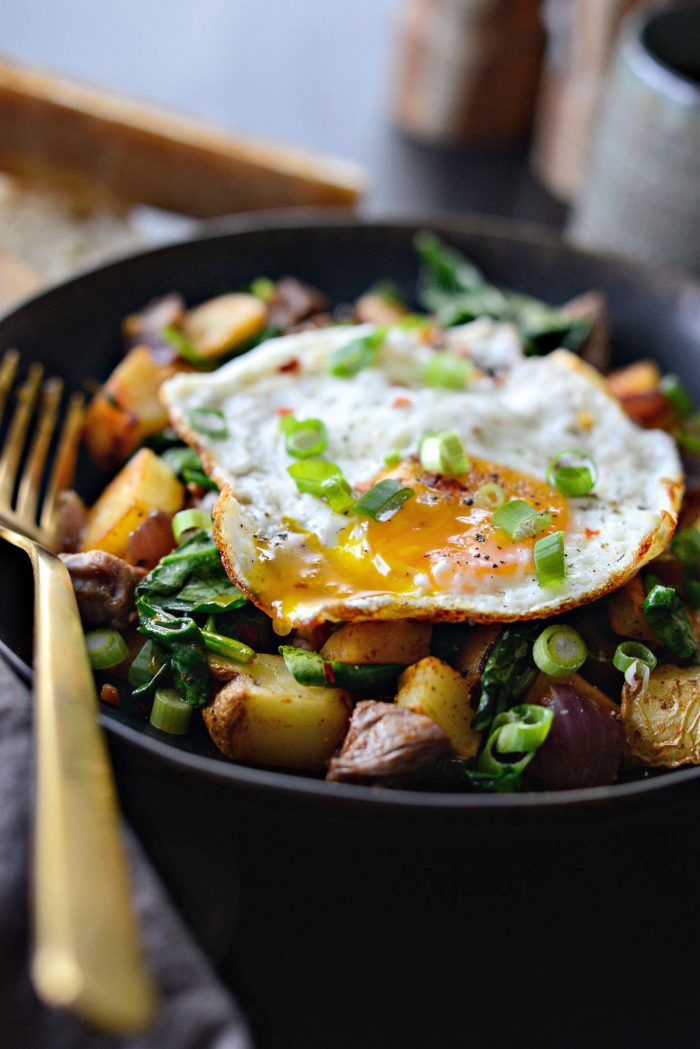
<point>518,419</point>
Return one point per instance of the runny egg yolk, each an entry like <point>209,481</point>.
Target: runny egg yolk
<point>440,542</point>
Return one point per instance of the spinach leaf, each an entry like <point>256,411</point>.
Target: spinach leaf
<point>191,674</point>
<point>508,671</point>
<point>665,614</point>
<point>187,465</point>
<point>506,781</point>
<point>148,670</point>
<point>457,292</point>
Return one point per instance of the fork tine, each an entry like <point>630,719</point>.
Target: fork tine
<point>16,435</point>
<point>8,370</point>
<point>30,484</point>
<point>63,469</point>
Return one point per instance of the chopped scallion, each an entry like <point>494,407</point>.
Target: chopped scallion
<point>442,452</point>
<point>304,438</point>
<point>209,421</point>
<point>559,651</point>
<point>676,396</point>
<point>228,647</point>
<point>393,457</point>
<point>263,288</point>
<point>447,371</point>
<point>571,472</point>
<point>324,480</point>
<point>356,355</point>
<point>383,499</point>
<point>184,520</point>
<point>182,344</point>
<point>520,730</point>
<point>490,496</point>
<point>519,520</point>
<point>549,559</point>
<point>169,713</point>
<point>106,648</point>
<point>629,652</point>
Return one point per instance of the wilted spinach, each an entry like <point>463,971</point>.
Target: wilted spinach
<point>508,671</point>
<point>456,292</point>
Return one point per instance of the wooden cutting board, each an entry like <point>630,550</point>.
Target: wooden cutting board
<point>91,141</point>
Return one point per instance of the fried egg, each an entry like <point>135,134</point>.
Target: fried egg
<point>440,556</point>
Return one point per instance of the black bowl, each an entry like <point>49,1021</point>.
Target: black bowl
<point>74,330</point>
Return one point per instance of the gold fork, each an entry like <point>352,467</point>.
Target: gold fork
<point>86,956</point>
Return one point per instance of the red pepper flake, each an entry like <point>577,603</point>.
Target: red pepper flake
<point>402,402</point>
<point>590,532</point>
<point>284,411</point>
<point>328,673</point>
<point>291,366</point>
<point>109,694</point>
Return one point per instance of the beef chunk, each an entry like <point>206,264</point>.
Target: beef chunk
<point>104,586</point>
<point>292,303</point>
<point>387,744</point>
<point>72,516</point>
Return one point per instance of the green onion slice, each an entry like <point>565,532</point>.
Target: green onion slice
<point>184,520</point>
<point>490,496</point>
<point>324,480</point>
<point>263,288</point>
<point>393,457</point>
<point>447,371</point>
<point>549,559</point>
<point>209,421</point>
<point>676,396</point>
<point>629,652</point>
<point>383,499</point>
<point>304,438</point>
<point>183,345</point>
<point>519,520</point>
<point>520,730</point>
<point>442,452</point>
<point>228,647</point>
<point>356,355</point>
<point>106,648</point>
<point>571,472</point>
<point>559,651</point>
<point>310,668</point>
<point>169,713</point>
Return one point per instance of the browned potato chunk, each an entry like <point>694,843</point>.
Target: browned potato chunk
<point>394,641</point>
<point>640,377</point>
<point>220,324</point>
<point>265,717</point>
<point>663,726</point>
<point>626,615</point>
<point>127,408</point>
<point>471,656</point>
<point>433,688</point>
<point>145,484</point>
<point>375,308</point>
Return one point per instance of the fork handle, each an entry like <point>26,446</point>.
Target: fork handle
<point>86,954</point>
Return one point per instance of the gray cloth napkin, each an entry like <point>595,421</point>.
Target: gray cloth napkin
<point>195,1011</point>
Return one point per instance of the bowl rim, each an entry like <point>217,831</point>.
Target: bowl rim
<point>306,789</point>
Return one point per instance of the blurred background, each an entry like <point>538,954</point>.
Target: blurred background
<point>463,105</point>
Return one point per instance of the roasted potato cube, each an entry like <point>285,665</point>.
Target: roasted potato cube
<point>127,408</point>
<point>627,617</point>
<point>375,308</point>
<point>663,725</point>
<point>433,688</point>
<point>640,377</point>
<point>221,324</point>
<point>264,717</point>
<point>145,484</point>
<point>393,641</point>
<point>470,658</point>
